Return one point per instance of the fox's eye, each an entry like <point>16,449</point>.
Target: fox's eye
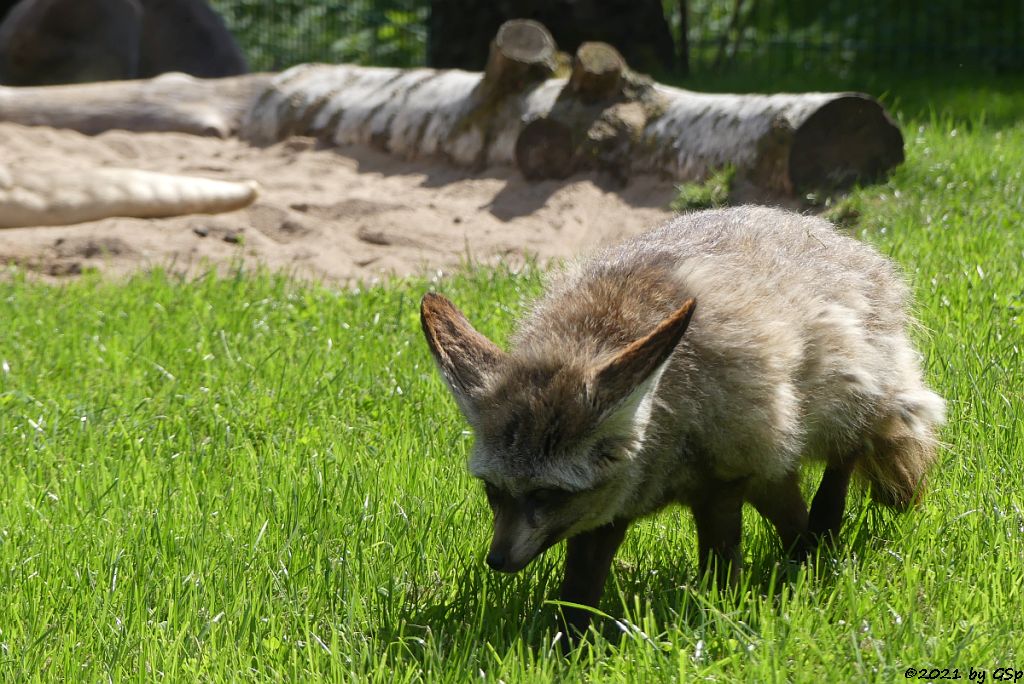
<point>548,496</point>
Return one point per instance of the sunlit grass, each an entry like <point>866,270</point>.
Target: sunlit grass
<point>249,478</point>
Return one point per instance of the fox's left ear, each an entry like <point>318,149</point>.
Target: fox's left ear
<point>617,379</point>
<point>464,356</point>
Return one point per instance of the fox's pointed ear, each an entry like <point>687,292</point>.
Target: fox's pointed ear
<point>464,356</point>
<point>617,379</point>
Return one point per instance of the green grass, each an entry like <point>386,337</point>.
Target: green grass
<point>708,194</point>
<point>248,478</point>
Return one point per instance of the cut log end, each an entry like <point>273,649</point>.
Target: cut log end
<point>545,149</point>
<point>525,41</point>
<point>523,52</point>
<point>849,140</point>
<point>596,71</point>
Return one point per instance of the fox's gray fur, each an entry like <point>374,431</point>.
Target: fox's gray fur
<point>698,363</point>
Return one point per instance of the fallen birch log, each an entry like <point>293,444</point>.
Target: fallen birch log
<point>605,117</point>
<point>34,197</point>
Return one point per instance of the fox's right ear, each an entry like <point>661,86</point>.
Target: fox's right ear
<point>642,360</point>
<point>464,356</point>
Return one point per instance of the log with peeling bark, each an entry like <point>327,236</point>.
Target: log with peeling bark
<point>53,197</point>
<point>783,143</point>
<point>170,102</point>
<point>605,116</point>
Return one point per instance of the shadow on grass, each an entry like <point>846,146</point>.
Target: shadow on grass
<point>483,613</point>
<point>479,612</point>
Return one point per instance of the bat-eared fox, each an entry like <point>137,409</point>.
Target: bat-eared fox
<point>698,363</point>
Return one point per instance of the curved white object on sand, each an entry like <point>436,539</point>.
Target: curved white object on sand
<point>56,197</point>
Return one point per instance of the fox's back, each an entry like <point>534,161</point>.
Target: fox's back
<point>738,259</point>
<point>798,343</point>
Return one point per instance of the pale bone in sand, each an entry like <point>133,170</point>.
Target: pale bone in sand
<point>50,197</point>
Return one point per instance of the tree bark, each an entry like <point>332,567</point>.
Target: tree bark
<point>172,102</point>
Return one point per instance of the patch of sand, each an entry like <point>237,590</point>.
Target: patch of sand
<point>336,215</point>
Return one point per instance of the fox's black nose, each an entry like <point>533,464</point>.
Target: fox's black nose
<point>496,560</point>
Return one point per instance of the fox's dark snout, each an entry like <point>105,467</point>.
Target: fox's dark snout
<point>501,560</point>
<point>497,560</point>
<point>512,547</point>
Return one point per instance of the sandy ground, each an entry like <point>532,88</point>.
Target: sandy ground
<point>337,215</point>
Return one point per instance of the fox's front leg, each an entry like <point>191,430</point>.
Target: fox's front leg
<point>718,514</point>
<point>829,502</point>
<point>588,558</point>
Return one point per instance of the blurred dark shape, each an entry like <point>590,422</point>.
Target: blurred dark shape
<point>48,42</point>
<point>5,7</point>
<point>187,36</point>
<point>461,30</point>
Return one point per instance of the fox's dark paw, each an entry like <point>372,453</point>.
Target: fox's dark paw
<point>573,628</point>
<point>803,548</point>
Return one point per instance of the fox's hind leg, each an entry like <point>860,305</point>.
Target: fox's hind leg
<point>782,504</point>
<point>718,515</point>
<point>588,558</point>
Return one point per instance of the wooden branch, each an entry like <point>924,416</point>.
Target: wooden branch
<point>172,102</point>
<point>786,143</point>
<point>605,117</point>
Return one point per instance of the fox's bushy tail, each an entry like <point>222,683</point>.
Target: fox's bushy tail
<point>903,447</point>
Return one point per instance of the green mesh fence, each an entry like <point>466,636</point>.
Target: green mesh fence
<point>279,33</point>
<point>850,34</point>
<point>723,34</point>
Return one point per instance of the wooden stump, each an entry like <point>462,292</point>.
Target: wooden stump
<point>596,72</point>
<point>596,122</point>
<point>523,52</point>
